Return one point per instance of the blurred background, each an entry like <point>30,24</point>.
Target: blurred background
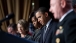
<point>21,9</point>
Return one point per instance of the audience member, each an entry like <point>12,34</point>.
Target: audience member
<point>44,18</point>
<point>23,29</point>
<point>37,26</point>
<point>12,29</point>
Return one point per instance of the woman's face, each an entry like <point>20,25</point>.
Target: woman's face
<point>11,31</point>
<point>20,29</point>
<point>34,21</point>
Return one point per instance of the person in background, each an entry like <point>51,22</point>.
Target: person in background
<point>49,25</point>
<point>66,28</point>
<point>37,26</point>
<point>12,29</point>
<point>23,29</point>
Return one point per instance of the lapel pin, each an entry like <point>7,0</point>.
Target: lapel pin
<point>61,29</point>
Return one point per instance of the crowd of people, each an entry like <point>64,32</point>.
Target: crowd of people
<point>56,25</point>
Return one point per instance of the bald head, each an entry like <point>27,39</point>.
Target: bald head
<point>60,7</point>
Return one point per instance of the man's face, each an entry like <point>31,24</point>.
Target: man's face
<point>55,8</point>
<point>41,18</point>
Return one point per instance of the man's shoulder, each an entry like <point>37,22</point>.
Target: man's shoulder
<point>70,17</point>
<point>54,22</point>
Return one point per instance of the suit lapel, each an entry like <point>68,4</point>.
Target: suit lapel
<point>42,31</point>
<point>48,30</point>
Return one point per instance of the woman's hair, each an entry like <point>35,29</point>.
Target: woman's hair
<point>13,25</point>
<point>24,24</point>
<point>31,15</point>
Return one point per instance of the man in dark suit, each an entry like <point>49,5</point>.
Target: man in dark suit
<point>66,29</point>
<point>8,38</point>
<point>47,32</point>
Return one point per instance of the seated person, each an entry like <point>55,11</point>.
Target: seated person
<point>37,26</point>
<point>12,29</point>
<point>23,29</point>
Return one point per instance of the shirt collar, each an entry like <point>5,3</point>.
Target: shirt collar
<point>65,15</point>
<point>48,22</point>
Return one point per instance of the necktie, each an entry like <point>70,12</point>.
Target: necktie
<point>44,33</point>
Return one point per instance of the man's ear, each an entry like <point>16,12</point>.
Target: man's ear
<point>46,14</point>
<point>63,3</point>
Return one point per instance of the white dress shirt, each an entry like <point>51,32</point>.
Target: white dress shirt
<point>46,28</point>
<point>48,23</point>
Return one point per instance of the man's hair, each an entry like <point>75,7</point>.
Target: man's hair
<point>43,10</point>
